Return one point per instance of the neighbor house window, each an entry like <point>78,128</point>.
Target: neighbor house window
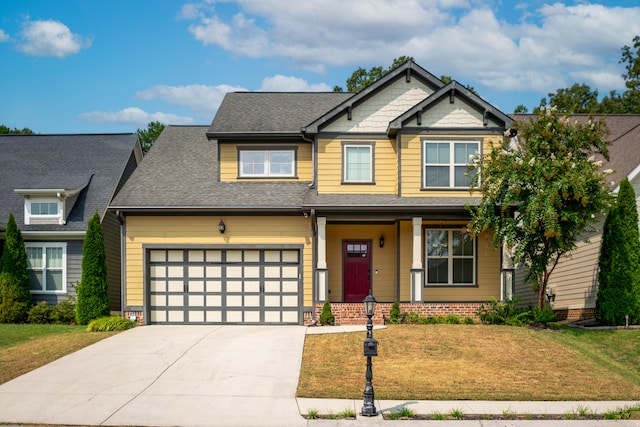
<point>446,163</point>
<point>267,163</point>
<point>47,266</point>
<point>450,257</point>
<point>43,211</point>
<point>357,164</point>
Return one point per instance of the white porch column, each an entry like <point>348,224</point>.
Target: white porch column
<point>321,266</point>
<point>416,267</point>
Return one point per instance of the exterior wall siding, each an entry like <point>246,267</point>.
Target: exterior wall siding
<point>229,162</point>
<point>203,230</point>
<point>459,115</point>
<point>330,164</point>
<point>375,113</point>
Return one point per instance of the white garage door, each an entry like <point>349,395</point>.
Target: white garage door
<point>198,286</point>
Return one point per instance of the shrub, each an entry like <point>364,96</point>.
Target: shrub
<point>109,323</point>
<point>494,312</point>
<point>14,262</point>
<point>326,317</point>
<point>93,299</point>
<point>394,314</point>
<point>64,312</point>
<point>41,313</point>
<point>13,308</point>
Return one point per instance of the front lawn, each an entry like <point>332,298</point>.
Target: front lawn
<point>24,348</point>
<point>477,362</point>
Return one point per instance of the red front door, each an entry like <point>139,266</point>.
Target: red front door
<point>356,256</point>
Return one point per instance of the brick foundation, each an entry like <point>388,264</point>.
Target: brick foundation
<point>139,316</point>
<point>353,313</point>
<point>573,314</point>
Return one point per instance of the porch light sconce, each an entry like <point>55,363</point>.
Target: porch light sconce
<point>221,227</point>
<point>382,241</point>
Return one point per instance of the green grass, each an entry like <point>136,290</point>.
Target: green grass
<point>24,348</point>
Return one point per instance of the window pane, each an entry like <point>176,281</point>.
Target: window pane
<point>54,258</point>
<point>35,280</point>
<point>463,150</point>
<point>437,176</point>
<point>437,243</point>
<point>437,152</point>
<point>358,164</point>
<point>54,280</point>
<point>253,162</point>
<point>34,257</point>
<point>281,163</point>
<point>462,180</point>
<point>437,271</point>
<point>462,270</point>
<point>462,244</point>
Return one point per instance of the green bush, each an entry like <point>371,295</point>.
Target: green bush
<point>394,314</point>
<point>326,317</point>
<point>494,312</point>
<point>109,323</point>
<point>41,313</point>
<point>13,308</point>
<point>93,299</point>
<point>64,312</point>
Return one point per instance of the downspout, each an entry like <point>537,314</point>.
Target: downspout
<point>313,158</point>
<point>123,258</point>
<point>314,276</point>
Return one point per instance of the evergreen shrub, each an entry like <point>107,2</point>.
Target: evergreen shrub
<point>326,317</point>
<point>13,308</point>
<point>109,323</point>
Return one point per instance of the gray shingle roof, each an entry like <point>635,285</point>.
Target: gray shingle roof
<point>282,112</point>
<point>93,163</point>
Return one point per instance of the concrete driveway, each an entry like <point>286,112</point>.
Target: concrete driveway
<point>167,376</point>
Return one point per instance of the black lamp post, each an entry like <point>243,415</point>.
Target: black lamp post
<point>370,349</point>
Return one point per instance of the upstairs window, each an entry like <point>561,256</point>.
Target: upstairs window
<point>47,266</point>
<point>450,257</point>
<point>446,163</point>
<point>357,164</point>
<point>267,163</point>
<point>43,211</point>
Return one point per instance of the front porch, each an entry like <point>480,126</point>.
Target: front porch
<point>353,313</point>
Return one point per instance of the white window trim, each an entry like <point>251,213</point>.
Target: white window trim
<point>44,246</point>
<point>450,257</point>
<point>345,147</point>
<point>28,216</point>
<point>451,165</point>
<point>267,169</point>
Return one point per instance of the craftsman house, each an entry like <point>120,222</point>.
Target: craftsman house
<point>290,199</point>
<point>573,286</point>
<point>53,184</point>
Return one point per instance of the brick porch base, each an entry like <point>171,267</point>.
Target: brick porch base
<point>353,313</point>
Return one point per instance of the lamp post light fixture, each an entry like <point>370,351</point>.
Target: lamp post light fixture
<point>370,349</point>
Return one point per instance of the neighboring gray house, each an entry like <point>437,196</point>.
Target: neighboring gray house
<point>574,283</point>
<point>53,184</point>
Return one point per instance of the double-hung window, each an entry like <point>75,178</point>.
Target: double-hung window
<point>446,163</point>
<point>278,163</point>
<point>450,257</point>
<point>43,211</point>
<point>357,163</point>
<point>47,266</point>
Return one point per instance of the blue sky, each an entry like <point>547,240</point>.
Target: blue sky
<point>77,66</point>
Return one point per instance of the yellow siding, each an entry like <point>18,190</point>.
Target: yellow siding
<point>411,166</point>
<point>330,168</point>
<point>229,163</point>
<point>383,259</point>
<point>203,230</point>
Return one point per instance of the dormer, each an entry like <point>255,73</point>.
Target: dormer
<point>51,205</point>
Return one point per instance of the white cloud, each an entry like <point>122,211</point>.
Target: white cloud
<point>3,36</point>
<point>279,83</point>
<point>50,38</point>
<point>201,99</point>
<point>538,50</point>
<point>134,115</point>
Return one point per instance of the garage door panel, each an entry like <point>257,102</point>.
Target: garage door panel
<point>224,286</point>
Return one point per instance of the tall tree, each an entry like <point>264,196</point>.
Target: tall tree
<point>93,298</point>
<point>149,135</point>
<point>579,98</point>
<point>4,130</point>
<point>541,190</point>
<point>15,297</point>
<point>619,262</point>
<point>362,78</point>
